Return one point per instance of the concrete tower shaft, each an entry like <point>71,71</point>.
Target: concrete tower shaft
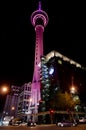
<point>39,20</point>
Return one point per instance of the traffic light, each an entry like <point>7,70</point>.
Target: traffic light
<point>51,115</point>
<point>51,111</point>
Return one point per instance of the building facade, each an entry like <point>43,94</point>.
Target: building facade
<point>62,73</point>
<point>24,100</point>
<point>11,104</point>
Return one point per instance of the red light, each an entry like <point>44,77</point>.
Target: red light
<point>51,111</point>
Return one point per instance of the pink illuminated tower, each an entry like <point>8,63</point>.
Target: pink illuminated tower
<point>39,20</point>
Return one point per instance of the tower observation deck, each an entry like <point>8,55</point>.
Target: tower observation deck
<point>39,20</point>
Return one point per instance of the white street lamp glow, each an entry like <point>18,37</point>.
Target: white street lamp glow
<point>13,108</point>
<point>72,89</point>
<point>30,99</point>
<point>4,89</point>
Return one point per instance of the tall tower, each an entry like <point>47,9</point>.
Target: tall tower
<point>39,20</point>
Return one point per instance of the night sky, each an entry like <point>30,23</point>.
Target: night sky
<point>64,33</point>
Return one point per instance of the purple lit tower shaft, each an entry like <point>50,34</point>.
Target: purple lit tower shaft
<point>39,20</point>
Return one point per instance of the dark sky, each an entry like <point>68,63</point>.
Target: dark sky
<point>64,33</point>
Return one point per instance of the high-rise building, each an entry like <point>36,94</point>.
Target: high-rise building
<point>39,20</point>
<point>62,73</point>
<point>65,69</point>
<point>18,101</point>
<point>11,104</point>
<point>59,72</point>
<point>24,100</point>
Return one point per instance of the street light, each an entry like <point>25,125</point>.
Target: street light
<point>30,103</point>
<point>30,100</point>
<point>4,89</point>
<point>13,108</point>
<point>51,115</point>
<point>12,111</point>
<point>73,90</point>
<point>31,109</point>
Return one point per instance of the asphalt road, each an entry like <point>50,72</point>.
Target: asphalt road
<point>43,127</point>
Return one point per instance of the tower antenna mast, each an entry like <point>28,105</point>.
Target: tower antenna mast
<point>39,7</point>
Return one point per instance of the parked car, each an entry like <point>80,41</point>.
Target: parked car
<point>30,123</point>
<point>23,124</point>
<point>66,123</point>
<point>82,120</point>
<point>0,123</point>
<point>5,123</point>
<point>17,122</point>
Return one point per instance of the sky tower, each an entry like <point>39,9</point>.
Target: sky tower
<point>39,20</point>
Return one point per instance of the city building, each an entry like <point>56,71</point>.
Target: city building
<point>18,101</point>
<point>24,100</point>
<point>60,72</point>
<point>11,104</point>
<point>67,71</point>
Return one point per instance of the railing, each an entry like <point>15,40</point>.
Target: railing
<point>58,112</point>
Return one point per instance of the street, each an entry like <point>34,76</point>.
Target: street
<point>43,127</point>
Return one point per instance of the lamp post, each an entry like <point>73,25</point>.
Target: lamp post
<point>13,108</point>
<point>4,89</point>
<point>30,103</point>
<point>29,109</point>
<point>51,115</point>
<point>73,90</point>
<point>76,99</point>
<point>12,111</point>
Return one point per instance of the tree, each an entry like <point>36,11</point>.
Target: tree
<point>63,101</point>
